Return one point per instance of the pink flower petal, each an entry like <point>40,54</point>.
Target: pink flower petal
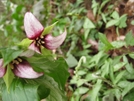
<point>34,47</point>
<point>32,26</point>
<point>54,42</point>
<point>24,70</point>
<point>2,69</point>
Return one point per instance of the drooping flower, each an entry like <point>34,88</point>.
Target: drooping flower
<point>20,68</point>
<point>34,29</point>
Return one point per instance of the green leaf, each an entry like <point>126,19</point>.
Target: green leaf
<point>115,15</point>
<point>55,93</point>
<point>82,72</point>
<point>111,23</point>
<point>8,77</point>
<point>20,91</point>
<point>25,43</point>
<point>132,22</point>
<point>122,21</point>
<point>123,84</point>
<point>88,24</point>
<point>86,33</point>
<point>118,44</point>
<point>109,97</point>
<point>119,76</point>
<point>81,90</point>
<point>71,61</point>
<point>104,40</point>
<point>129,66</point>
<point>131,55</point>
<point>105,68</point>
<point>118,66</point>
<point>129,96</point>
<point>91,76</point>
<point>57,69</point>
<point>129,39</point>
<point>97,57</point>
<point>9,55</point>
<point>95,6</point>
<point>104,17</point>
<point>117,93</point>
<point>96,89</point>
<point>48,29</point>
<point>102,5</point>
<point>127,89</point>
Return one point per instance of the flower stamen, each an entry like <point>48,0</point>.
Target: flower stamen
<point>17,61</point>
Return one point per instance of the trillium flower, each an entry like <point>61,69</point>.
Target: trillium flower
<point>20,68</point>
<point>34,30</point>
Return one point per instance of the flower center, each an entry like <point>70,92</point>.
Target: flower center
<point>16,61</point>
<point>40,41</point>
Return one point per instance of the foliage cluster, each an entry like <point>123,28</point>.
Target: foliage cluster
<point>98,48</point>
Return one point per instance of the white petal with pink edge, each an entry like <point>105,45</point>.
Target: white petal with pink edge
<point>33,27</point>
<point>24,70</point>
<point>52,42</point>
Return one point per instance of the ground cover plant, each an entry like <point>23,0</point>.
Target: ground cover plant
<point>67,50</point>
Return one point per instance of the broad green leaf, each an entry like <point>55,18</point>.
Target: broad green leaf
<point>71,61</point>
<point>9,55</point>
<point>129,75</point>
<point>20,91</point>
<point>117,93</point>
<point>8,77</point>
<point>81,90</point>
<point>105,68</point>
<point>97,57</point>
<point>95,7</point>
<point>86,33</point>
<point>88,24</point>
<point>115,15</point>
<point>111,71</point>
<point>80,82</point>
<point>127,89</point>
<point>91,76</point>
<point>105,41</point>
<point>119,66</point>
<point>118,44</point>
<point>104,17</point>
<point>129,39</point>
<point>129,68</point>
<point>82,72</point>
<point>131,55</point>
<point>48,29</point>
<point>46,52</point>
<point>122,21</point>
<point>102,5</point>
<point>119,76</point>
<point>25,43</point>
<point>57,69</point>
<point>55,93</point>
<point>116,60</point>
<point>109,97</point>
<point>95,90</point>
<point>132,22</point>
<point>129,96</point>
<point>111,23</point>
<point>123,84</point>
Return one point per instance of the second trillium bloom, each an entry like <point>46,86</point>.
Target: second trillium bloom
<point>20,68</point>
<point>34,30</point>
